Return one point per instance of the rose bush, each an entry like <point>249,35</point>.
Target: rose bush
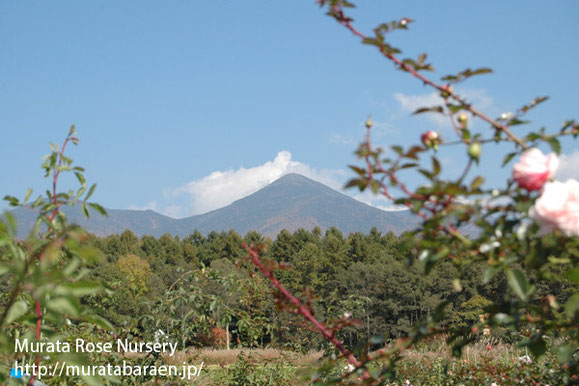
<point>461,226</point>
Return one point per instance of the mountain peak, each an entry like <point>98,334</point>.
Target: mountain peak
<point>293,178</point>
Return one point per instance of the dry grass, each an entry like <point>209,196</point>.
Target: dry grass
<point>483,350</point>
<point>224,357</point>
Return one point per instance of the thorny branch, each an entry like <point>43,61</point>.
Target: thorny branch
<point>339,15</point>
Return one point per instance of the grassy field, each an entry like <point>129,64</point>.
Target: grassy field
<point>430,363</point>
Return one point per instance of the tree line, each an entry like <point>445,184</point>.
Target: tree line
<point>199,290</point>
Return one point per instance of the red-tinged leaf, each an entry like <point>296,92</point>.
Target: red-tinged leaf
<point>358,170</point>
<point>434,109</point>
<point>361,184</point>
<point>411,153</point>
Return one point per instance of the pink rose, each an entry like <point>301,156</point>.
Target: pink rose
<point>558,207</point>
<point>534,169</point>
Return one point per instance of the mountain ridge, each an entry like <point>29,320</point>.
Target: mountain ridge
<point>291,202</point>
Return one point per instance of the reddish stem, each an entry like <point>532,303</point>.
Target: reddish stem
<point>55,178</point>
<point>301,308</point>
<point>39,315</point>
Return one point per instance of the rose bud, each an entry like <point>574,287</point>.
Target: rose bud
<point>462,119</point>
<point>430,139</point>
<point>474,150</point>
<point>369,123</point>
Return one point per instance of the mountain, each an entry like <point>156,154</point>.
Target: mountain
<point>291,202</point>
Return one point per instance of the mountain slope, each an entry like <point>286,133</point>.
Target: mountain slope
<point>291,202</point>
<point>294,202</point>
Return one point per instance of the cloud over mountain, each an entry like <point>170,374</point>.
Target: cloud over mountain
<point>221,188</point>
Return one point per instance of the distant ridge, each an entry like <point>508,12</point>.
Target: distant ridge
<point>291,202</point>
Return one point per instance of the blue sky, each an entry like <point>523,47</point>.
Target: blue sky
<point>184,106</point>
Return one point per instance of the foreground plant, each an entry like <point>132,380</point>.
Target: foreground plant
<point>525,229</point>
<point>44,276</point>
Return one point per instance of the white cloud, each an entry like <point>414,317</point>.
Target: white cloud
<point>410,103</point>
<point>221,188</point>
<point>150,206</point>
<point>568,166</point>
<point>341,139</point>
<point>380,129</point>
<point>377,201</point>
<point>391,208</point>
<point>174,211</point>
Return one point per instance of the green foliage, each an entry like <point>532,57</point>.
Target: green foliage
<point>45,276</point>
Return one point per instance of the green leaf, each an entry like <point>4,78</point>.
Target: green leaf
<point>85,210</point>
<point>80,178</point>
<point>537,347</point>
<point>565,352</point>
<point>98,208</point>
<point>12,201</point>
<point>4,269</point>
<point>573,275</point>
<point>477,182</point>
<point>99,321</point>
<point>397,149</point>
<point>64,305</point>
<point>27,196</point>
<point>533,103</point>
<point>466,74</point>
<point>516,121</point>
<point>465,133</point>
<point>508,157</point>
<point>455,108</point>
<point>572,306</point>
<point>82,288</point>
<point>555,145</point>
<point>490,273</point>
<point>426,173</point>
<point>519,283</point>
<point>90,192</point>
<point>435,166</point>
<point>17,310</point>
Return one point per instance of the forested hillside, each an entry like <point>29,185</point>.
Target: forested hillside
<point>192,288</point>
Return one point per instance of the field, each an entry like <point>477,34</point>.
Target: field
<point>430,363</point>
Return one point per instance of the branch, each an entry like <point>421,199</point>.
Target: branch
<point>347,22</point>
<point>301,308</point>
